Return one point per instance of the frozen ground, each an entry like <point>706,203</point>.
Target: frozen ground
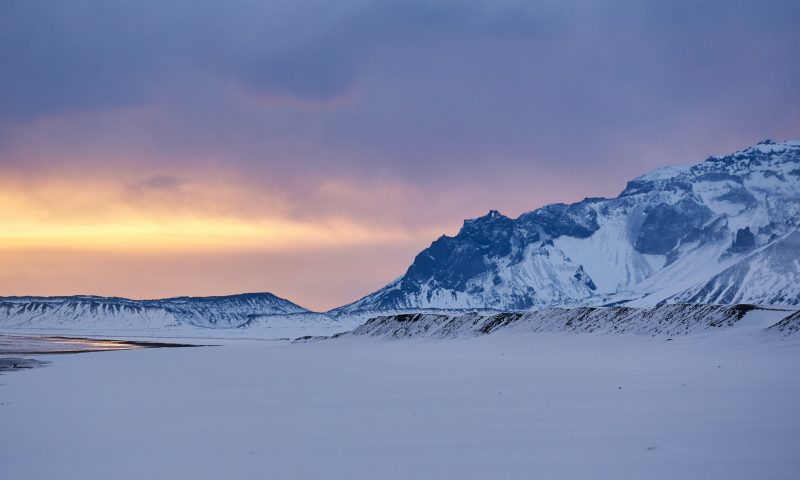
<point>718,406</point>
<point>183,332</point>
<point>32,345</point>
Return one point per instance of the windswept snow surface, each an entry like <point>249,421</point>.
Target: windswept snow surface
<point>509,405</point>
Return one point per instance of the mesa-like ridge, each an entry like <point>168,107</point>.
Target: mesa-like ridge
<point>666,320</point>
<point>232,311</point>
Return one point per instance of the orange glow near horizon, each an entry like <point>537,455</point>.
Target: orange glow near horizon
<point>150,234</point>
<point>201,219</point>
<point>189,234</point>
<point>59,240</point>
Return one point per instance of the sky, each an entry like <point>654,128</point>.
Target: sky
<point>312,148</point>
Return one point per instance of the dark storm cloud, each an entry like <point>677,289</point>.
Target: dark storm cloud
<point>448,95</point>
<point>304,74</point>
<point>95,53</point>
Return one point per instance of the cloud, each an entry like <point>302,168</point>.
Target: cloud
<point>313,75</point>
<point>434,99</point>
<point>158,182</point>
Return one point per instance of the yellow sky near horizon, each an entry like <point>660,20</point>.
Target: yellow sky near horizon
<point>59,239</point>
<point>151,232</point>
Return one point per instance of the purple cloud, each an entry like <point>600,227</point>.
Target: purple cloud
<point>442,96</point>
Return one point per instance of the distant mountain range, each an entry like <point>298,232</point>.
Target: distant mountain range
<point>723,231</point>
<point>88,312</point>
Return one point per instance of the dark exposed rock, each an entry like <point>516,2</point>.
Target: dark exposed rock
<point>744,241</point>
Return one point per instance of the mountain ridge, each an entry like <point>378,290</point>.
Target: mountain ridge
<point>661,321</point>
<point>224,311</point>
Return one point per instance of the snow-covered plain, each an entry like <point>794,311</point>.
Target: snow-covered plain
<point>548,405</point>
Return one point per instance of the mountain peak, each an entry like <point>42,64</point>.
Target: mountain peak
<point>768,147</point>
<point>673,230</point>
<point>490,216</point>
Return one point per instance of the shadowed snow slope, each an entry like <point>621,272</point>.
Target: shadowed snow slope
<point>671,319</point>
<point>722,231</point>
<point>789,325</point>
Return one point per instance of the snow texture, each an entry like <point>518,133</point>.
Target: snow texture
<point>665,320</point>
<point>511,406</point>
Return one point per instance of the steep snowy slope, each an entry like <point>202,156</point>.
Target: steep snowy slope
<point>788,326</point>
<point>234,311</point>
<point>770,276</point>
<point>694,233</point>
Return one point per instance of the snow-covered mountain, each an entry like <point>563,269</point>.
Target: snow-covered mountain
<point>722,231</point>
<point>90,312</point>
